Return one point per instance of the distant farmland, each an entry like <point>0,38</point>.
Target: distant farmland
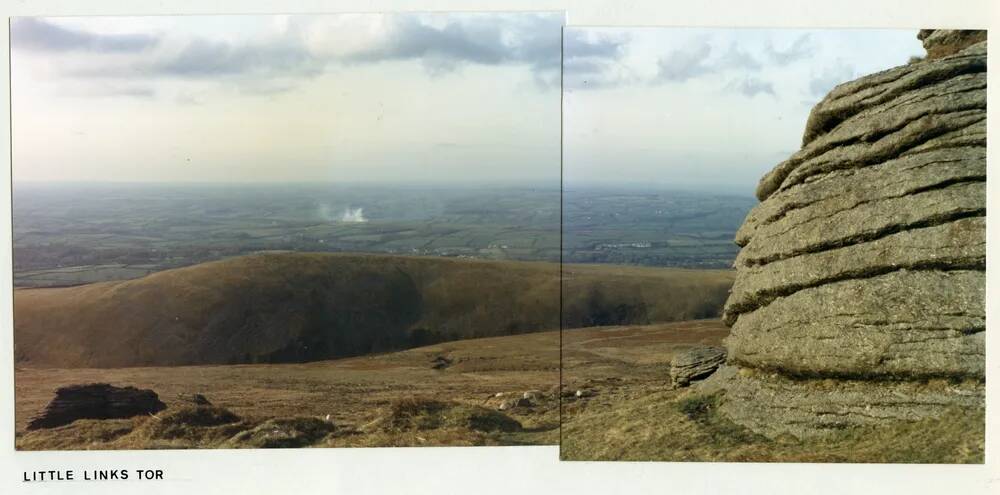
<point>68,234</point>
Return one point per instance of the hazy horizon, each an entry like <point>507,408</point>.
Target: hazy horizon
<point>302,98</point>
<point>568,186</point>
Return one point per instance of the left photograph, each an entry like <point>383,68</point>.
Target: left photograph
<point>286,231</point>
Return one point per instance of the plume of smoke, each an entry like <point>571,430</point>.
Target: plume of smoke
<point>350,215</point>
<point>353,215</point>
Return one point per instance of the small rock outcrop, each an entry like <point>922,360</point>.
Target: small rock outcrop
<point>695,363</point>
<point>515,403</point>
<point>440,363</point>
<point>533,395</point>
<point>96,401</point>
<point>861,277</point>
<point>283,433</point>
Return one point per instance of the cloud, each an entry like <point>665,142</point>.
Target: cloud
<point>455,42</point>
<point>34,34</point>
<point>685,63</point>
<point>116,91</point>
<point>735,58</point>
<point>131,91</point>
<point>201,58</point>
<point>801,48</point>
<point>596,63</point>
<point>444,44</point>
<point>591,62</point>
<point>751,86</point>
<point>577,45</point>
<point>307,46</point>
<point>821,84</point>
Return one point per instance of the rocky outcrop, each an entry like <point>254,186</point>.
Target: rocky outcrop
<point>861,278</point>
<point>96,401</point>
<point>943,42</point>
<point>694,363</point>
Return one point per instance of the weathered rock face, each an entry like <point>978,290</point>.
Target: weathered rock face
<point>943,42</point>
<point>774,405</point>
<point>697,362</point>
<point>862,271</point>
<point>96,401</point>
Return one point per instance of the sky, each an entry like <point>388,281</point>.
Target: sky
<point>703,109</point>
<point>430,98</point>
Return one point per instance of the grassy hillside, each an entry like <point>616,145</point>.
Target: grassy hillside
<point>601,295</point>
<point>295,307</point>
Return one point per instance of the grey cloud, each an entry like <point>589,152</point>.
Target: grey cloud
<point>474,39</point>
<point>751,86</point>
<point>202,58</point>
<point>582,66</point>
<point>266,88</point>
<point>735,58</point>
<point>531,40</point>
<point>92,90</point>
<point>821,84</point>
<point>685,63</point>
<point>576,45</point>
<point>588,63</point>
<point>591,64</point>
<point>29,33</point>
<point>584,73</point>
<point>801,48</point>
<point>132,91</point>
<point>454,42</point>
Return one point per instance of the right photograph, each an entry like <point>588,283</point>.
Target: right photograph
<point>790,230</point>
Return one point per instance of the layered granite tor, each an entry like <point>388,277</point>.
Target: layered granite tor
<point>860,288</point>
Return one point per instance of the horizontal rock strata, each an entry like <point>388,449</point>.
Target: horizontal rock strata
<point>904,323</point>
<point>697,362</point>
<point>773,405</point>
<point>861,277</point>
<point>949,246</point>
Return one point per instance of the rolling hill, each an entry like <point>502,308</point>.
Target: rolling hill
<point>296,307</point>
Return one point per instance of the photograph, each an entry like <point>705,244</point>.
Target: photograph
<point>365,247</point>
<point>801,215</point>
<point>277,231</point>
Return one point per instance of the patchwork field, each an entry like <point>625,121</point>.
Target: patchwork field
<point>71,234</point>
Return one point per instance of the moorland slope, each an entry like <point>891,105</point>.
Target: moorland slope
<point>297,307</point>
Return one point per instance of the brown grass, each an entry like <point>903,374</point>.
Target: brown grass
<point>355,392</point>
<point>633,414</point>
<point>429,414</point>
